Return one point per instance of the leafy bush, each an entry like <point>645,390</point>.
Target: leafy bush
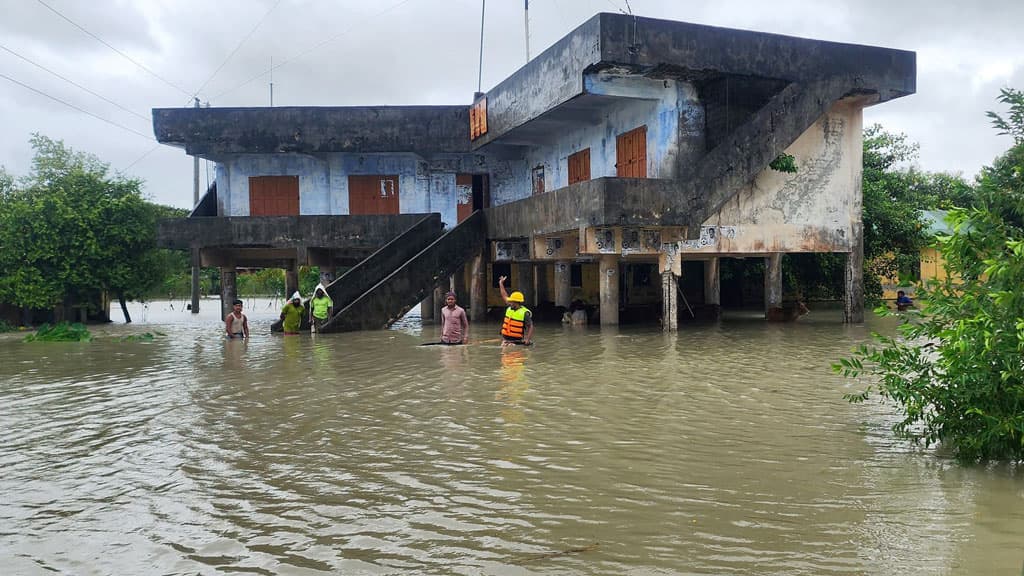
<point>62,332</point>
<point>957,370</point>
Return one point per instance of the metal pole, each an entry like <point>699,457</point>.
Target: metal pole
<point>480,75</point>
<point>195,202</point>
<point>526,23</point>
<point>271,81</point>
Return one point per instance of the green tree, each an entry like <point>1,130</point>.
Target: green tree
<point>956,372</point>
<point>71,232</point>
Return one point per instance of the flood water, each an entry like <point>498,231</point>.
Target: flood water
<point>726,449</point>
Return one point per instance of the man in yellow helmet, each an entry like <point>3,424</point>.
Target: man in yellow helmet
<point>517,328</point>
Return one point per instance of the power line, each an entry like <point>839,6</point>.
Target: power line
<point>301,54</point>
<point>125,56</point>
<point>54,98</point>
<point>240,44</point>
<point>139,159</point>
<point>73,83</point>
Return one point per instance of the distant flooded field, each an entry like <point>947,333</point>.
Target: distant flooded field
<point>724,449</point>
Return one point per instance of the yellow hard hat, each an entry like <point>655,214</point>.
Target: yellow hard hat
<point>516,296</point>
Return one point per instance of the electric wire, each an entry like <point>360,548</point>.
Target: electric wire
<point>139,159</point>
<point>73,83</point>
<point>237,48</point>
<point>69,105</point>
<point>311,49</point>
<point>122,54</point>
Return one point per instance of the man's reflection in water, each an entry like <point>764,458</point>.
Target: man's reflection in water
<point>234,353</point>
<point>513,383</point>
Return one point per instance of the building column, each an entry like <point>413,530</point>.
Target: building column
<point>478,288</point>
<point>427,307</point>
<point>196,269</point>
<point>291,282</point>
<point>853,298</point>
<point>713,286</point>
<point>670,265</point>
<point>609,285</point>
<point>563,281</point>
<point>228,289</point>
<point>527,283</point>
<point>772,283</point>
<point>669,301</point>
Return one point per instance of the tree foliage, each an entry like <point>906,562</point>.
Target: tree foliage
<point>957,370</point>
<point>71,231</point>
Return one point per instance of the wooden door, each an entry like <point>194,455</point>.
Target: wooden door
<point>373,194</point>
<point>274,196</point>
<point>579,166</point>
<point>631,153</point>
<point>463,196</point>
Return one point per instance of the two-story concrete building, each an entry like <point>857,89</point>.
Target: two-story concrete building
<point>629,153</point>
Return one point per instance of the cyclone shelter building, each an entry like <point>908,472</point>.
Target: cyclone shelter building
<point>620,166</point>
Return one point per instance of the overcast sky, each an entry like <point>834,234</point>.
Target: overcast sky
<point>388,52</point>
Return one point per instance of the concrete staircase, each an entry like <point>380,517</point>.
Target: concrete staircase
<point>385,286</point>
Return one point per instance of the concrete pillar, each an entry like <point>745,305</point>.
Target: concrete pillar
<point>712,286</point>
<point>609,285</point>
<point>669,301</point>
<point>543,289</point>
<point>563,283</point>
<point>853,297</point>
<point>427,308</point>
<point>228,289</point>
<point>478,288</point>
<point>196,263</point>
<point>526,283</point>
<point>772,282</point>
<point>291,282</point>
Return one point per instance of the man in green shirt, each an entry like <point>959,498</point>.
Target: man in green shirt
<point>292,314</point>
<point>321,307</point>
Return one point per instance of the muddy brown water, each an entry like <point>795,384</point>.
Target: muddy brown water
<point>726,449</point>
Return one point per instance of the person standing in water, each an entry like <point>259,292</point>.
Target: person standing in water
<point>236,324</point>
<point>291,315</point>
<point>454,323</point>
<point>321,307</point>
<point>517,328</point>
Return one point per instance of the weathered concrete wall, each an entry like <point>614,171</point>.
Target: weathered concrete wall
<point>810,211</point>
<point>284,231</point>
<point>314,181</point>
<point>549,79</point>
<point>425,184</point>
<point>682,49</point>
<point>212,132</point>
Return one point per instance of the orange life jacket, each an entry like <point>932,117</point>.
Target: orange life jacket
<point>513,328</point>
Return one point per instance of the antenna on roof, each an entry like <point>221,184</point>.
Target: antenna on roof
<point>526,24</point>
<point>271,81</point>
<point>480,75</point>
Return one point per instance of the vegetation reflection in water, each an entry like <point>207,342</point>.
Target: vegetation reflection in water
<point>725,449</point>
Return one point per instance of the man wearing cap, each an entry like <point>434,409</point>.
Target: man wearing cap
<point>291,315</point>
<point>517,327</point>
<point>454,324</point>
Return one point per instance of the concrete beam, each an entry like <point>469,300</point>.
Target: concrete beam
<point>213,132</point>
<point>361,231</point>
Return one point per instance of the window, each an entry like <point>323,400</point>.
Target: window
<point>274,196</point>
<point>576,276</point>
<point>579,166</point>
<point>538,179</point>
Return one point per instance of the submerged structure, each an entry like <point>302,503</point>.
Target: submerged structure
<point>619,167</point>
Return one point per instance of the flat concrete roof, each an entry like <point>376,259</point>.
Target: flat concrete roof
<point>314,129</point>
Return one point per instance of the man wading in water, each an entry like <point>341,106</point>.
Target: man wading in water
<point>454,324</point>
<point>236,324</point>
<point>517,328</point>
